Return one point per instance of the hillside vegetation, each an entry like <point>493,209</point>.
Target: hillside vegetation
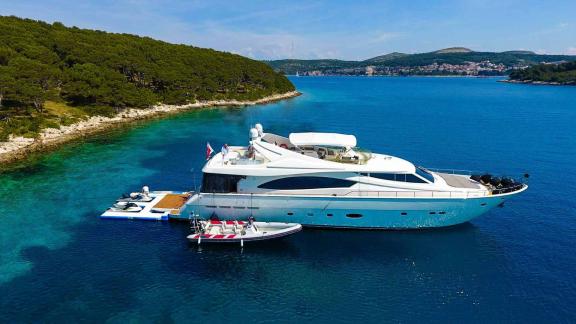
<point>92,72</point>
<point>564,73</point>
<point>454,50</point>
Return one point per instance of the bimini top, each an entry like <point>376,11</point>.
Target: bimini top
<point>324,139</point>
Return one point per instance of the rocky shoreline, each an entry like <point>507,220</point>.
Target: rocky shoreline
<point>19,148</point>
<point>539,82</point>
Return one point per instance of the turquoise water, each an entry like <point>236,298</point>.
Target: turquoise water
<point>60,262</point>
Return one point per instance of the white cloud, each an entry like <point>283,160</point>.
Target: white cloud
<point>571,51</point>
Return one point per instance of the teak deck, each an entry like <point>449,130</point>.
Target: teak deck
<point>172,201</point>
<point>458,181</point>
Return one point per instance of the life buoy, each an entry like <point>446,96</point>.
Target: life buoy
<point>284,146</point>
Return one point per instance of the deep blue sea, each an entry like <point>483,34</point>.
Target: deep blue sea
<point>60,263</point>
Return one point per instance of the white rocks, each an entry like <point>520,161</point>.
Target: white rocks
<point>15,143</point>
<point>53,135</point>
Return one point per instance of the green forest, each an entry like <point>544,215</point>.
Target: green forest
<point>564,73</point>
<point>51,75</point>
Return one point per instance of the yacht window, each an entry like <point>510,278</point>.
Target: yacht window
<point>414,178</point>
<point>384,176</point>
<point>294,183</point>
<point>395,177</point>
<point>425,174</point>
<point>220,183</point>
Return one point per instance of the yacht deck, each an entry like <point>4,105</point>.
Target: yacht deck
<point>172,201</point>
<point>459,181</point>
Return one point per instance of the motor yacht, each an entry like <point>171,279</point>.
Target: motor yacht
<point>325,180</point>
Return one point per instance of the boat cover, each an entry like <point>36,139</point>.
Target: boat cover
<point>323,139</point>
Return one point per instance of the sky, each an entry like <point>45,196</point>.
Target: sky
<point>352,30</point>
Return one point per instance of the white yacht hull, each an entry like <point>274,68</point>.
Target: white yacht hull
<point>345,212</point>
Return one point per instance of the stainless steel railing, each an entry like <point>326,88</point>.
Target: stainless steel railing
<point>419,194</point>
<point>452,171</point>
<point>393,194</point>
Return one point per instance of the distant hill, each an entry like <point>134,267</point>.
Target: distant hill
<point>385,57</point>
<point>403,63</point>
<point>454,50</point>
<point>292,66</point>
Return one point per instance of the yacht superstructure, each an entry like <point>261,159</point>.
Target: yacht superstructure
<point>323,179</point>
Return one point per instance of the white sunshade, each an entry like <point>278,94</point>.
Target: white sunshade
<point>323,139</point>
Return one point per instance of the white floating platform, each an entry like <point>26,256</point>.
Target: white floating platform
<point>163,205</point>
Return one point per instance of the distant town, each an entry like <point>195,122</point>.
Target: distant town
<point>484,68</point>
<point>451,61</point>
<point>469,69</point>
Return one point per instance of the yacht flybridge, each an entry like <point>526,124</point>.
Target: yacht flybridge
<point>324,179</point>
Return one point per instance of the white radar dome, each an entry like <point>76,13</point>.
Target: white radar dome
<point>260,129</point>
<point>253,134</point>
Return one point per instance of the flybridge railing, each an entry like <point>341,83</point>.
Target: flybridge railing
<point>518,179</point>
<point>394,194</point>
<point>452,171</point>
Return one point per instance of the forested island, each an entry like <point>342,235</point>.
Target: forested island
<point>555,74</point>
<point>52,75</point>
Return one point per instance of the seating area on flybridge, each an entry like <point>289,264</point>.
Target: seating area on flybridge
<point>325,146</point>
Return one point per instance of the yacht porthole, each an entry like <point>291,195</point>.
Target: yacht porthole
<point>403,213</point>
<point>353,215</point>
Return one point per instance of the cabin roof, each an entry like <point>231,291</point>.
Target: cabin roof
<point>275,160</point>
<point>324,139</point>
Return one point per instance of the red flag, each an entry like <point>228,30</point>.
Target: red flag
<point>209,151</point>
